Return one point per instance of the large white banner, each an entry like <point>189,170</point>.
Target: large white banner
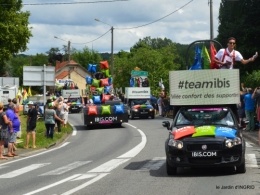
<point>137,92</point>
<point>204,87</point>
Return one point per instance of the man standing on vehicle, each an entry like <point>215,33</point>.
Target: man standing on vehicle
<point>225,58</point>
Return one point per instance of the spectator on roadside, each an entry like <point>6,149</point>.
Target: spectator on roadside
<point>50,117</point>
<point>11,115</point>
<point>31,125</point>
<point>154,102</point>
<point>165,106</point>
<point>17,110</point>
<point>57,108</point>
<point>256,96</point>
<point>241,108</point>
<point>4,123</point>
<point>9,102</point>
<point>249,109</point>
<point>159,103</point>
<point>63,110</point>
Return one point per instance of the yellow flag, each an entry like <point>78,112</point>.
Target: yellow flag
<point>205,57</point>
<point>29,92</point>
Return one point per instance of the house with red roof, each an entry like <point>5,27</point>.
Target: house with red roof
<point>74,71</point>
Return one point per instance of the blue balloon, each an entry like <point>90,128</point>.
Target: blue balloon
<point>96,99</point>
<point>89,80</point>
<point>107,89</point>
<point>119,109</point>
<point>92,68</point>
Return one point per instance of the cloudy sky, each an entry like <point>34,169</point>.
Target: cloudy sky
<point>182,21</point>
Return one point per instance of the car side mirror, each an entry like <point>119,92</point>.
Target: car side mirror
<point>166,124</point>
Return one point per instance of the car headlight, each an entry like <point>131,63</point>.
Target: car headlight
<point>150,110</point>
<point>233,142</point>
<point>135,110</point>
<point>175,143</point>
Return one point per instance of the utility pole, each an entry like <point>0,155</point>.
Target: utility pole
<point>112,51</point>
<point>211,20</point>
<point>69,50</point>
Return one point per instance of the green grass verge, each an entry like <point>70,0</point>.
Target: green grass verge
<point>41,140</point>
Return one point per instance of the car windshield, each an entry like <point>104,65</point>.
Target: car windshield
<point>78,100</point>
<point>205,116</point>
<point>139,102</point>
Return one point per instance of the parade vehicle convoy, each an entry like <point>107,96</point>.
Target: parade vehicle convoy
<point>205,131</point>
<point>138,102</point>
<point>105,110</point>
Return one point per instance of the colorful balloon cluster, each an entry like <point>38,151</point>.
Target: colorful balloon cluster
<point>99,87</point>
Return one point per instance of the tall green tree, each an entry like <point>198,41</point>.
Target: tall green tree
<point>54,55</point>
<point>86,56</point>
<point>157,60</point>
<point>14,30</point>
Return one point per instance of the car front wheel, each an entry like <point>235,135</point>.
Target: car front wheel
<point>241,168</point>
<point>170,170</point>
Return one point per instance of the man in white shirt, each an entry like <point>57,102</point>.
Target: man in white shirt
<point>225,58</point>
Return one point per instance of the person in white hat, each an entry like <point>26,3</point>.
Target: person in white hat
<point>31,124</point>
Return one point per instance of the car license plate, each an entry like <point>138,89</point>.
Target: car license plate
<point>144,112</point>
<point>204,154</point>
<point>73,108</point>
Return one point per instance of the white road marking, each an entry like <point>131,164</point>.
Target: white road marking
<point>154,164</point>
<point>47,151</point>
<point>22,171</point>
<point>66,168</point>
<point>54,184</point>
<point>251,160</point>
<point>74,132</point>
<point>85,176</point>
<point>130,125</point>
<point>248,145</point>
<point>108,166</point>
<point>100,176</point>
<point>133,152</point>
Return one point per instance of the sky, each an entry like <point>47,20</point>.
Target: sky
<point>182,21</point>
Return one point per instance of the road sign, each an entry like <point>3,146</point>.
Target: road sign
<point>38,75</point>
<point>136,73</point>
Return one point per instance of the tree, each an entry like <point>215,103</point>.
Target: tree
<point>17,63</point>
<point>39,60</point>
<point>14,30</point>
<point>86,57</point>
<point>54,55</point>
<point>157,59</point>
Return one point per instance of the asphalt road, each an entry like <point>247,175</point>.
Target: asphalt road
<point>128,160</point>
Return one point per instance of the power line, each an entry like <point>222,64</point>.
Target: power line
<point>69,3</point>
<point>157,19</point>
<point>92,40</point>
<point>140,25</point>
